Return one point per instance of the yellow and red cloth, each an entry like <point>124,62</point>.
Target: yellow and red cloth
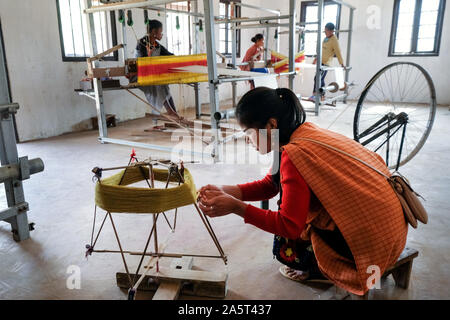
<point>276,57</point>
<point>280,62</point>
<point>162,70</point>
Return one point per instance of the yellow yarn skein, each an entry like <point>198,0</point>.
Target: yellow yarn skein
<point>112,197</point>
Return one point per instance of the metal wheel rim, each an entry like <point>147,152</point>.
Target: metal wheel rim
<point>431,114</point>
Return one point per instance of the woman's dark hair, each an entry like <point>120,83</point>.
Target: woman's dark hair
<point>257,37</point>
<point>259,105</point>
<point>153,24</point>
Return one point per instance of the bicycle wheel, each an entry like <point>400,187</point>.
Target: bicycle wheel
<point>395,112</point>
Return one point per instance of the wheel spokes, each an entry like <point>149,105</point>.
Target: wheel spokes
<point>402,88</point>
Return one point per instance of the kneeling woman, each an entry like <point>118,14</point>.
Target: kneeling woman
<point>342,218</point>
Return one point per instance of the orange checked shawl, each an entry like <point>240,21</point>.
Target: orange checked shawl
<point>353,197</point>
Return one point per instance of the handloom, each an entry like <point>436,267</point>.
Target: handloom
<point>115,194</point>
<point>163,69</point>
<point>280,63</point>
<point>160,70</point>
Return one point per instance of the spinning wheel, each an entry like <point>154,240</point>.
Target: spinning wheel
<point>395,112</point>
<point>116,194</point>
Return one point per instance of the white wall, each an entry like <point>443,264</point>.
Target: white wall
<point>44,85</point>
<point>370,48</point>
<point>40,81</point>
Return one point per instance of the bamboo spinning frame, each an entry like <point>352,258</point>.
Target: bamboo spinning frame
<point>174,173</point>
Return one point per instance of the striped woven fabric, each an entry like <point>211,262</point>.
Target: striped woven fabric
<point>276,57</point>
<point>283,65</point>
<point>163,69</point>
<point>353,197</point>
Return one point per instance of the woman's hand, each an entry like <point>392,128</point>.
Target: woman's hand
<point>216,203</point>
<point>150,49</point>
<point>234,191</point>
<point>202,193</point>
<point>131,75</point>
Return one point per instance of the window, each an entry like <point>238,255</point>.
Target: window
<point>225,35</point>
<point>178,26</point>
<point>416,27</point>
<point>73,30</point>
<point>308,16</point>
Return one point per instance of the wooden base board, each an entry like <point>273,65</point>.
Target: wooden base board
<point>170,290</point>
<point>179,279</point>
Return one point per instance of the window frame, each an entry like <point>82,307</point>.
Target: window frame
<point>415,31</point>
<point>305,4</point>
<point>189,10</point>
<point>227,26</point>
<point>66,58</point>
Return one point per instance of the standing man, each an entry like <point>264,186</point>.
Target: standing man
<point>330,48</point>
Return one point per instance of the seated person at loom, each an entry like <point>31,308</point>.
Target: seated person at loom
<point>148,46</point>
<point>330,48</point>
<point>254,53</point>
<point>341,216</point>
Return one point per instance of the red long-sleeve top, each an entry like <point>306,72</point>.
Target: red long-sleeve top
<point>290,220</point>
<point>251,52</point>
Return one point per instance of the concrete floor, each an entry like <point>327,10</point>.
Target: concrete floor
<point>61,203</point>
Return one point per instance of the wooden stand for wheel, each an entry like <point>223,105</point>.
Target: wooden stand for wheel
<point>179,279</point>
<point>168,282</point>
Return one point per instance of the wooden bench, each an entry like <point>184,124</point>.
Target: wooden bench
<point>401,272</point>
